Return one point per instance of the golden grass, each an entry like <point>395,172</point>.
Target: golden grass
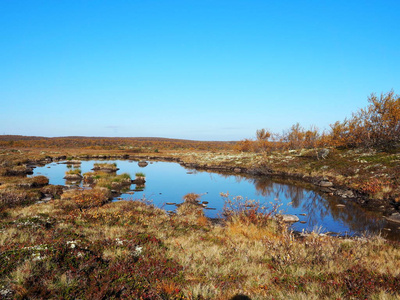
<point>218,261</point>
<point>244,256</point>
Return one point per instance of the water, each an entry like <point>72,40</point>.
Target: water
<point>169,182</point>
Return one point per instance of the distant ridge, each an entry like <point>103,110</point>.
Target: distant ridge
<point>20,138</point>
<point>8,138</point>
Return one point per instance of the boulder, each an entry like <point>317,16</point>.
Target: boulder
<point>325,183</point>
<point>289,218</point>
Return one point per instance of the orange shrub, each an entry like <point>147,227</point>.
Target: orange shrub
<point>88,198</point>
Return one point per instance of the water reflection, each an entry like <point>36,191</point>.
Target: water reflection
<point>320,206</point>
<point>169,182</point>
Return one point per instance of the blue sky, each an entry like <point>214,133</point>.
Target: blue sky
<point>204,70</point>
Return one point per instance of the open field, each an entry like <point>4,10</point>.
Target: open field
<point>80,246</point>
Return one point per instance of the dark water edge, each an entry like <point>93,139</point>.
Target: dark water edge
<point>168,182</point>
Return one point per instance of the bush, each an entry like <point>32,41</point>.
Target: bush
<point>88,198</point>
<point>377,126</point>
<point>247,211</point>
<point>11,197</point>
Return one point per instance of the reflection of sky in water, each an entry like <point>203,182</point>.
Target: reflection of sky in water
<point>169,182</point>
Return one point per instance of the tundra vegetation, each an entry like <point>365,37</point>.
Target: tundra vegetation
<point>79,245</point>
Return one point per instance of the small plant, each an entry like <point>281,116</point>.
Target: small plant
<point>106,167</point>
<point>125,177</point>
<point>140,175</point>
<point>247,211</point>
<point>192,208</point>
<point>73,172</point>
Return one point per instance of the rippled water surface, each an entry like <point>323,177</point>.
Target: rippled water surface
<point>169,182</point>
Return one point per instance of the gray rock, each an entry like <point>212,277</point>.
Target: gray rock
<point>289,218</point>
<point>345,193</point>
<point>348,194</point>
<point>325,183</point>
<point>326,190</point>
<point>142,163</point>
<point>395,218</point>
<point>46,199</point>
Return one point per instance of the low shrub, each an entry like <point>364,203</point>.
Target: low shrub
<point>88,198</point>
<point>247,211</point>
<point>11,197</point>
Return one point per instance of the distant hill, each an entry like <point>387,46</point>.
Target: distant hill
<point>158,139</point>
<point>20,138</point>
<point>135,144</point>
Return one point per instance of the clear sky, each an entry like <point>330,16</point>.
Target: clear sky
<point>194,69</point>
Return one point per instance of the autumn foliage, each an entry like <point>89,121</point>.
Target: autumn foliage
<point>376,126</point>
<point>84,199</point>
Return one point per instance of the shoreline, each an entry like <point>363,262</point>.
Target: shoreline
<point>319,182</point>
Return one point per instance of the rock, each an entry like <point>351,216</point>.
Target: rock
<point>345,193</point>
<point>142,163</point>
<point>348,194</point>
<point>237,170</point>
<point>44,200</point>
<point>325,183</point>
<point>323,153</point>
<point>73,177</point>
<point>395,218</point>
<point>340,205</point>
<point>326,190</point>
<point>289,218</point>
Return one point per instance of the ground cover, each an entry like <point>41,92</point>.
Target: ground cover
<point>79,245</point>
<point>132,249</point>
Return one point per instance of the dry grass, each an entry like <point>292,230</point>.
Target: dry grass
<point>209,261</point>
<point>129,249</point>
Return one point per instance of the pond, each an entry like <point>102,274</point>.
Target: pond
<point>168,182</point>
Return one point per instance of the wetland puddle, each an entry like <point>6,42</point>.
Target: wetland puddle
<point>168,182</point>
